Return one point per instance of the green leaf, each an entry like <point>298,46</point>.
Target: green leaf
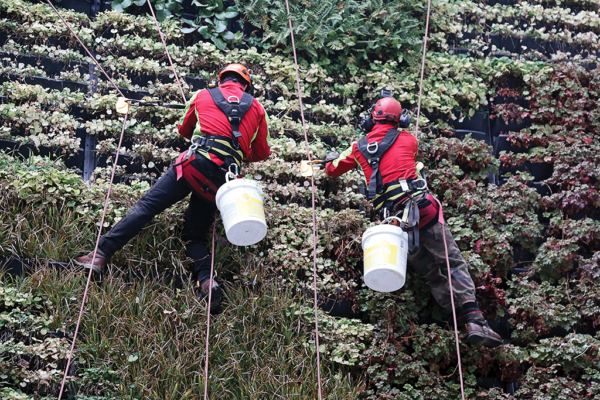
<point>188,30</point>
<point>220,26</point>
<point>228,35</point>
<point>139,2</point>
<point>204,31</point>
<point>121,5</point>
<point>132,358</point>
<point>219,43</point>
<point>161,15</point>
<point>204,13</point>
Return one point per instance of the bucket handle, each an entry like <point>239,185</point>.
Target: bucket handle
<point>230,174</point>
<point>390,218</point>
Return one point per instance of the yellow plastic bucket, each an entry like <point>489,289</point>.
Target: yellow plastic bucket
<point>385,255</point>
<point>242,211</point>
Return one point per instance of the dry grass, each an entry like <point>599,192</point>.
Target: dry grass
<point>153,337</point>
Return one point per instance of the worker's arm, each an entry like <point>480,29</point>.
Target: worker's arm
<point>344,163</point>
<point>259,147</point>
<point>187,123</point>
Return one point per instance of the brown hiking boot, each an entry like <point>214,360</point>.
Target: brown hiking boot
<point>217,293</point>
<point>86,262</point>
<point>483,334</point>
<point>478,330</point>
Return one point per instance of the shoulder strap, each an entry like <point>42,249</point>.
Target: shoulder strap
<point>234,109</point>
<point>373,152</point>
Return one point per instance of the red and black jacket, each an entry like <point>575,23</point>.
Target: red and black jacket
<point>397,163</point>
<point>204,118</point>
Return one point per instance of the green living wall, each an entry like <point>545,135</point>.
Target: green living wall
<point>509,137</point>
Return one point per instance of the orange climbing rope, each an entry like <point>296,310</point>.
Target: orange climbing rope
<point>441,216</point>
<point>312,181</point>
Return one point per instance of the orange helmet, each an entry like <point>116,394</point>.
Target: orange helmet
<point>238,69</point>
<point>387,109</point>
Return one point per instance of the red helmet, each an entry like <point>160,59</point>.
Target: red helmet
<point>387,109</point>
<point>238,69</point>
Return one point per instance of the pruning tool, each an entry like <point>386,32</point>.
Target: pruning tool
<point>306,167</point>
<point>123,104</point>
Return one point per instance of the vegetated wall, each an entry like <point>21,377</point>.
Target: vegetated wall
<point>509,139</point>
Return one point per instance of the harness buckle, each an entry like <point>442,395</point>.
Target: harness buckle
<point>419,184</point>
<point>404,185</point>
<point>373,161</point>
<point>369,147</point>
<point>231,101</point>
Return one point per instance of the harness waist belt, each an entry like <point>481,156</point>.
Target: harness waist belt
<point>221,147</point>
<point>398,191</point>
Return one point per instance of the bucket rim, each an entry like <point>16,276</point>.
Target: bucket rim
<point>237,183</point>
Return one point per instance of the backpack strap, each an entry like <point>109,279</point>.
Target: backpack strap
<point>373,152</point>
<point>234,109</point>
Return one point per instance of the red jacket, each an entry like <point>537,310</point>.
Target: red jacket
<point>202,116</point>
<point>397,163</point>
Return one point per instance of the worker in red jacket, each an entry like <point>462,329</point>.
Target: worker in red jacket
<point>387,157</point>
<point>226,126</point>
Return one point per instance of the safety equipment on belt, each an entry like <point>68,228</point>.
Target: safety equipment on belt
<point>220,146</point>
<point>240,70</point>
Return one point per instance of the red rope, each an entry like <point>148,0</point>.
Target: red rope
<point>167,50</point>
<point>87,285</point>
<point>441,220</point>
<point>422,68</point>
<point>212,266</point>
<point>86,49</point>
<point>312,181</point>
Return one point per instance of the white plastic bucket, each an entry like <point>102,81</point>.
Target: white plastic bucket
<point>241,206</point>
<point>385,254</point>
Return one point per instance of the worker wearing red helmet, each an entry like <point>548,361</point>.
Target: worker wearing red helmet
<point>227,126</point>
<point>387,157</point>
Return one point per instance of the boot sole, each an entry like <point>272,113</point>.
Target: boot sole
<point>88,265</point>
<point>483,340</point>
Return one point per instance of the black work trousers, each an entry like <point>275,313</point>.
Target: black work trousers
<point>166,192</point>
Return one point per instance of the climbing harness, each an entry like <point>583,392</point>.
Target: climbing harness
<point>314,218</point>
<point>234,109</point>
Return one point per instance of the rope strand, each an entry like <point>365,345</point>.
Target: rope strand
<point>167,50</point>
<point>312,181</point>
<point>441,217</point>
<point>89,278</point>
<point>86,49</point>
<point>462,388</point>
<point>422,69</point>
<point>212,266</point>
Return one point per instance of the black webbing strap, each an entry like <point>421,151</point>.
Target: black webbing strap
<point>221,147</point>
<point>234,108</point>
<point>392,192</point>
<point>373,152</point>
